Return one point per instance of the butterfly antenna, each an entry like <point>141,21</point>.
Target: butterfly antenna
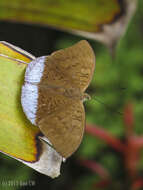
<point>107,106</point>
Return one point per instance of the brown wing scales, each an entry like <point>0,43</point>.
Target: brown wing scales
<point>65,128</point>
<point>71,67</point>
<point>61,115</point>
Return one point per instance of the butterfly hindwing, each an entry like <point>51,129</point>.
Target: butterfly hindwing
<point>65,127</point>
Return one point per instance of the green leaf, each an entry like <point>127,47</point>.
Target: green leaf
<point>101,20</point>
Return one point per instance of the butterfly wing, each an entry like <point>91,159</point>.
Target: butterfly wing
<point>60,118</point>
<point>71,67</point>
<point>62,121</point>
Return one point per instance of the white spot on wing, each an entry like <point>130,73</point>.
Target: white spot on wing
<point>35,70</point>
<point>29,96</point>
<point>29,101</point>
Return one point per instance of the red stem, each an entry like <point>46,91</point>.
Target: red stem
<point>108,138</point>
<point>138,141</point>
<point>138,184</point>
<point>129,120</point>
<point>95,167</point>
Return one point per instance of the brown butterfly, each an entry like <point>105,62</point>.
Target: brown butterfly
<point>53,95</point>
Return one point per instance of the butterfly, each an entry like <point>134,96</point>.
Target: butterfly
<point>53,94</point>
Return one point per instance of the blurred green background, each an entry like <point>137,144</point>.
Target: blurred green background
<point>116,83</point>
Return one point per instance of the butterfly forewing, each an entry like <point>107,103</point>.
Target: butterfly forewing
<point>71,67</point>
